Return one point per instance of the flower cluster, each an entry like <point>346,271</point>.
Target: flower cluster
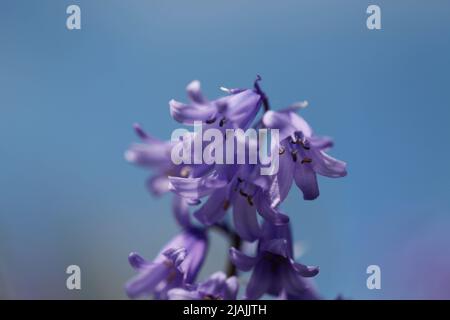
<point>208,192</point>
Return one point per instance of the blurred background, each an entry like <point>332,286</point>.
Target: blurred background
<point>68,100</point>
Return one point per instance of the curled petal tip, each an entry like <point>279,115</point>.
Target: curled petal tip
<point>193,86</point>
<point>133,255</point>
<point>225,89</point>
<point>241,260</point>
<point>130,156</point>
<point>194,92</point>
<point>136,260</point>
<point>139,131</point>
<point>306,271</point>
<point>310,197</point>
<point>280,219</point>
<point>300,104</point>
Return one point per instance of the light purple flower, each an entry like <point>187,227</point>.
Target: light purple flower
<point>237,110</point>
<point>248,193</point>
<point>274,270</point>
<point>216,287</point>
<point>176,265</point>
<point>155,154</point>
<point>302,154</point>
<point>239,187</point>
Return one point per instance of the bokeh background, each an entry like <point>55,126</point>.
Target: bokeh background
<point>68,100</point>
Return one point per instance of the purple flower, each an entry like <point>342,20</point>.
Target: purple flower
<point>247,193</point>
<point>302,154</point>
<point>274,270</point>
<point>243,188</point>
<point>237,110</point>
<point>155,154</point>
<point>175,266</point>
<point>216,287</point>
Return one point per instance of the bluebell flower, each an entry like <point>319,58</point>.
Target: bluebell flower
<point>274,270</point>
<point>152,153</point>
<point>177,265</point>
<point>302,154</point>
<point>238,187</point>
<point>216,287</point>
<point>155,155</point>
<point>248,193</point>
<point>236,110</point>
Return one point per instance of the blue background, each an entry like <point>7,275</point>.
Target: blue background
<point>68,99</point>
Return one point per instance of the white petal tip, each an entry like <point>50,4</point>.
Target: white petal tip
<point>130,156</point>
<point>194,86</point>
<point>300,104</point>
<point>225,89</point>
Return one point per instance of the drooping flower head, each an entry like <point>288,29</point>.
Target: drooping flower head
<point>274,270</point>
<point>175,266</point>
<point>302,154</point>
<point>236,110</point>
<point>154,154</point>
<point>218,187</point>
<point>248,193</point>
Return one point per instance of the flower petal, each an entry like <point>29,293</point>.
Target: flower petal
<point>194,188</point>
<point>196,253</point>
<point>186,239</point>
<point>320,142</point>
<point>245,219</point>
<point>155,154</point>
<point>242,261</point>
<point>328,166</point>
<point>268,212</point>
<point>277,246</point>
<point>287,122</point>
<point>260,281</point>
<point>232,288</point>
<point>280,121</point>
<point>242,107</point>
<point>282,183</point>
<point>146,281</point>
<point>292,281</point>
<point>181,211</point>
<point>158,185</point>
<point>304,271</point>
<point>306,180</point>
<point>214,208</point>
<point>182,294</point>
<point>214,285</point>
<point>195,93</point>
<point>137,261</point>
<point>300,124</point>
<point>188,113</point>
